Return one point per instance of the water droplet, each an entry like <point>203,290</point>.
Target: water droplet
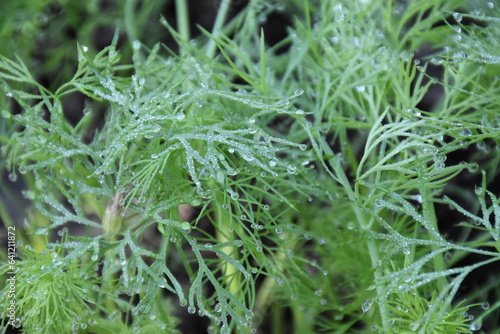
<point>476,325</point>
<point>85,48</point>
<point>478,190</point>
<point>474,168</point>
<point>490,4</point>
<point>366,305</point>
<point>291,169</point>
<point>360,89</point>
<point>218,307</point>
<point>136,45</point>
<point>280,281</point>
<point>405,249</point>
<point>12,177</point>
<point>303,147</point>
<point>22,169</point>
<point>191,310</point>
<point>183,302</point>
<point>323,301</point>
<point>293,297</point>
<point>230,150</point>
<point>465,132</point>
<point>259,248</point>
<point>298,92</point>
<point>94,257</point>
<point>458,17</point>
<point>318,292</point>
<point>278,230</point>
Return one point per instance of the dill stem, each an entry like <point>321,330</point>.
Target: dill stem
<point>182,20</point>
<point>223,235</point>
<point>219,21</point>
<point>130,27</point>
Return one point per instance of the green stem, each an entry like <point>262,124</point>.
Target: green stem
<point>130,20</point>
<point>182,19</point>
<point>223,235</point>
<point>219,21</point>
<point>342,178</point>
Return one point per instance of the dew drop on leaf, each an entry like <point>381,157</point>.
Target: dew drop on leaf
<point>366,305</point>
<point>457,17</point>
<point>465,132</point>
<point>476,325</point>
<point>23,169</point>
<point>218,307</point>
<point>291,169</point>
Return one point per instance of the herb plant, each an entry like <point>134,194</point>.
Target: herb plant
<point>306,186</point>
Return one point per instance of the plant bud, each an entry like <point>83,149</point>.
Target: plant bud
<point>112,219</point>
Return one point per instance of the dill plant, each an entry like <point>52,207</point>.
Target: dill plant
<point>312,178</point>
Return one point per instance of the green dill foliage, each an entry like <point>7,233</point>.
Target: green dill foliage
<point>298,190</point>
